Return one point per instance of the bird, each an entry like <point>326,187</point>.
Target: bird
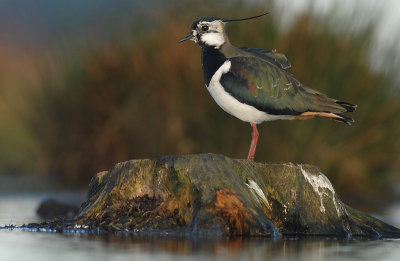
<point>253,84</point>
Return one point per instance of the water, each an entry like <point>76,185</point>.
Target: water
<point>22,245</point>
<point>18,245</point>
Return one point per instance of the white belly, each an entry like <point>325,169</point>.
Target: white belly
<point>232,106</point>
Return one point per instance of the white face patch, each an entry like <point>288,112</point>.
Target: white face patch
<point>213,39</point>
<point>214,35</point>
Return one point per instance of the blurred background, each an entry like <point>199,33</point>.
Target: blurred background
<point>84,85</point>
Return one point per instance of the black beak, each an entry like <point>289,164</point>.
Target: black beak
<point>186,37</point>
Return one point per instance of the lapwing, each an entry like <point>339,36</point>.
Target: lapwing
<point>253,84</point>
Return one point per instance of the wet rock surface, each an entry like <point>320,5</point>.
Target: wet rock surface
<point>210,194</point>
<point>213,195</point>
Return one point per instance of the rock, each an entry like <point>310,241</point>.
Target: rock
<point>214,195</point>
<point>51,208</point>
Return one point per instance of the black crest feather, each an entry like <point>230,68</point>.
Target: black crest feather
<point>243,19</point>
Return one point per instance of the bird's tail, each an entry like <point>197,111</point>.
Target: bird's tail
<point>327,107</point>
<point>342,118</point>
<point>330,115</point>
<point>347,107</point>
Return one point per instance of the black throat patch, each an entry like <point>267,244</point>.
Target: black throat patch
<point>211,60</point>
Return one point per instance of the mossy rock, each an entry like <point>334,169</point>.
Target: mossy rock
<point>211,195</point>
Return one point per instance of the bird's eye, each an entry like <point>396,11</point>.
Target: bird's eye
<point>204,28</point>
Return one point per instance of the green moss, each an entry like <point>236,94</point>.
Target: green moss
<point>183,190</point>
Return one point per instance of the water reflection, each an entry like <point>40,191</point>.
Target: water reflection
<point>255,249</point>
<point>124,247</point>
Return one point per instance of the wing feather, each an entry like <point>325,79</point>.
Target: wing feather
<point>278,59</point>
<point>268,87</point>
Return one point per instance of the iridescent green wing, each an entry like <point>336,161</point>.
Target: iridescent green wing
<point>267,87</point>
<point>272,56</point>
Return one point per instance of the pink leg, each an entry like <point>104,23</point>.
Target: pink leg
<point>254,138</point>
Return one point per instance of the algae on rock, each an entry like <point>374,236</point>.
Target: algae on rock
<point>210,194</point>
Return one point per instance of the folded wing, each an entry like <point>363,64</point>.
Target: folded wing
<point>265,85</point>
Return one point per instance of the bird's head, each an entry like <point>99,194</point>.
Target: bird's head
<point>210,31</point>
